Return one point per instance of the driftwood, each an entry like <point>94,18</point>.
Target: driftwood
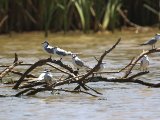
<point>9,68</point>
<point>72,76</point>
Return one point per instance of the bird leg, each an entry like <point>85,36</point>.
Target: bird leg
<point>50,56</point>
<point>154,45</point>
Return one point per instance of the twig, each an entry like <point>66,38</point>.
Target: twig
<point>22,64</point>
<point>135,60</point>
<point>8,69</point>
<point>75,91</point>
<point>95,58</point>
<point>19,73</point>
<point>35,91</point>
<point>93,90</point>
<point>24,91</point>
<point>138,74</point>
<point>100,61</point>
<point>36,64</point>
<point>71,74</point>
<point>35,84</point>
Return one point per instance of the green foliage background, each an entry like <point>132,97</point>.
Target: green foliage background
<point>65,15</point>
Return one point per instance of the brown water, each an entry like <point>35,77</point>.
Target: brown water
<point>120,101</point>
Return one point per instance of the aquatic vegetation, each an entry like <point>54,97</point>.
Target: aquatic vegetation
<point>64,15</point>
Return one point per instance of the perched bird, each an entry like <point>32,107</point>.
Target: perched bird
<point>152,41</point>
<point>77,62</point>
<point>60,52</point>
<point>55,50</point>
<point>46,76</point>
<point>144,63</point>
<point>101,67</point>
<point>49,49</point>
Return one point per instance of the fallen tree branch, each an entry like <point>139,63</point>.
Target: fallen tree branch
<point>100,61</point>
<point>34,86</point>
<point>20,74</point>
<point>8,69</point>
<point>39,63</point>
<point>35,91</point>
<point>135,60</point>
<point>138,74</point>
<point>71,74</point>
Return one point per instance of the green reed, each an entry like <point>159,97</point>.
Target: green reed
<point>65,15</point>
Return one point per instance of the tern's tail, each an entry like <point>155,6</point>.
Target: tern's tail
<point>142,44</point>
<point>70,53</point>
<point>86,66</point>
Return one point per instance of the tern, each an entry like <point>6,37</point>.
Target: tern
<point>152,41</point>
<point>60,52</point>
<point>46,76</point>
<point>49,49</point>
<point>101,67</point>
<point>55,50</point>
<point>144,63</point>
<point>78,63</point>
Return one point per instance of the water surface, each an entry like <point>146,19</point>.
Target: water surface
<point>120,101</point>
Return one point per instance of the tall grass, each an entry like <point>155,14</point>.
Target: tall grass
<point>111,15</point>
<point>65,15</point>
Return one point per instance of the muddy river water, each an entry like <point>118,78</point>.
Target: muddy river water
<point>120,101</point>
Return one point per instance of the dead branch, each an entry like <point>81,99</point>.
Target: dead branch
<point>34,84</point>
<point>71,74</point>
<point>100,61</point>
<point>138,74</point>
<point>32,88</point>
<point>36,64</point>
<point>93,89</point>
<point>136,59</point>
<point>22,64</point>
<point>74,91</point>
<point>35,91</point>
<point>8,69</point>
<point>20,74</point>
<point>22,92</point>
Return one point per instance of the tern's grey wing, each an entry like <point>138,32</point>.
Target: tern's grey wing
<point>150,42</point>
<point>49,50</point>
<point>62,53</point>
<point>79,63</point>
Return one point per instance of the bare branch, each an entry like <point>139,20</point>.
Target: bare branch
<point>71,74</point>
<point>36,64</point>
<point>8,69</point>
<point>135,60</point>
<point>100,61</point>
<point>138,74</point>
<point>19,73</point>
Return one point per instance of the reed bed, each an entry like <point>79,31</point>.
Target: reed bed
<point>65,15</point>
